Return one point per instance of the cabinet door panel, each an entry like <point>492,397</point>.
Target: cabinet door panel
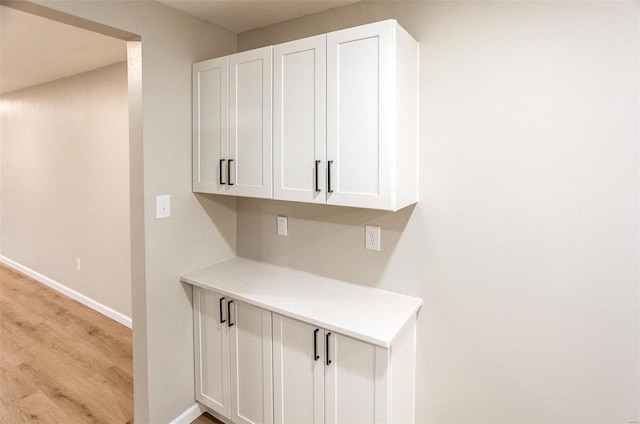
<point>212,352</point>
<point>210,124</point>
<point>300,120</point>
<point>358,117</point>
<point>298,375</point>
<point>250,137</point>
<point>350,381</point>
<point>251,364</point>
<point>360,96</point>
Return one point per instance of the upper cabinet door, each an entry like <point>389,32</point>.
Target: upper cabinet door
<point>343,108</point>
<point>210,125</point>
<point>250,124</point>
<point>299,120</point>
<point>372,109</point>
<point>360,99</point>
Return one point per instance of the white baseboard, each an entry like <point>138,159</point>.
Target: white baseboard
<point>194,412</point>
<point>189,415</point>
<point>87,301</point>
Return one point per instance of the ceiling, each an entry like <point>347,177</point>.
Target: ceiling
<point>35,50</point>
<point>243,15</point>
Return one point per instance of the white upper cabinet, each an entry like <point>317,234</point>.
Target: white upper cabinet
<point>372,111</point>
<point>299,127</point>
<point>345,120</point>
<point>250,123</point>
<point>210,125</point>
<point>232,124</point>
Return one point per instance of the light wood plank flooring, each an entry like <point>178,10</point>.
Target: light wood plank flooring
<point>60,362</point>
<point>206,419</point>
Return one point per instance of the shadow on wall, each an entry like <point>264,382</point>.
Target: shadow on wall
<point>324,240</point>
<point>215,207</point>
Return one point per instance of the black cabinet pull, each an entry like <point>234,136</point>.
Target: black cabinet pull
<point>229,172</point>
<point>329,189</point>
<point>221,316</point>
<point>317,188</point>
<point>221,173</point>
<point>326,345</point>
<point>229,313</point>
<point>315,344</point>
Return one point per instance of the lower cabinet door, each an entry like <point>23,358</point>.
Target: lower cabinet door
<point>355,382</point>
<point>298,372</point>
<point>212,350</point>
<point>314,376</point>
<point>251,364</point>
<point>324,377</point>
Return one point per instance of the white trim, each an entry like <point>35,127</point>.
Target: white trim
<point>87,301</point>
<point>193,412</point>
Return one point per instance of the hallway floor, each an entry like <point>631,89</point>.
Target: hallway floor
<point>60,362</point>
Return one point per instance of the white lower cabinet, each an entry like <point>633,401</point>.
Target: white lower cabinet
<point>325,377</point>
<point>211,351</point>
<point>233,357</point>
<point>298,366</point>
<point>274,345</point>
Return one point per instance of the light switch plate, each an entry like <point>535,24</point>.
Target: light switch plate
<point>163,206</point>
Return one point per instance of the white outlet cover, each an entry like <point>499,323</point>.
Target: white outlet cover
<point>372,237</point>
<point>282,225</point>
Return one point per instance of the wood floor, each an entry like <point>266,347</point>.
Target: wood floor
<point>60,362</point>
<point>206,419</point>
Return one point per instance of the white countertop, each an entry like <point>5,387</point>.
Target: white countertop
<point>365,313</point>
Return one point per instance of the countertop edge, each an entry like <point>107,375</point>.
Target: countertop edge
<point>385,342</point>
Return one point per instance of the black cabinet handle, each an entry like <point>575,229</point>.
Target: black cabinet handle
<point>329,189</point>
<point>326,345</point>
<point>221,316</point>
<point>315,344</point>
<point>221,173</point>
<point>229,172</point>
<point>229,313</point>
<point>317,188</point>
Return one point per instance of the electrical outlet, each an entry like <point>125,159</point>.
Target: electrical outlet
<point>282,225</point>
<point>372,237</point>
<point>78,265</point>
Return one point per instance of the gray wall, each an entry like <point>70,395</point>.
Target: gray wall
<point>524,245</point>
<point>201,229</point>
<point>65,192</point>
